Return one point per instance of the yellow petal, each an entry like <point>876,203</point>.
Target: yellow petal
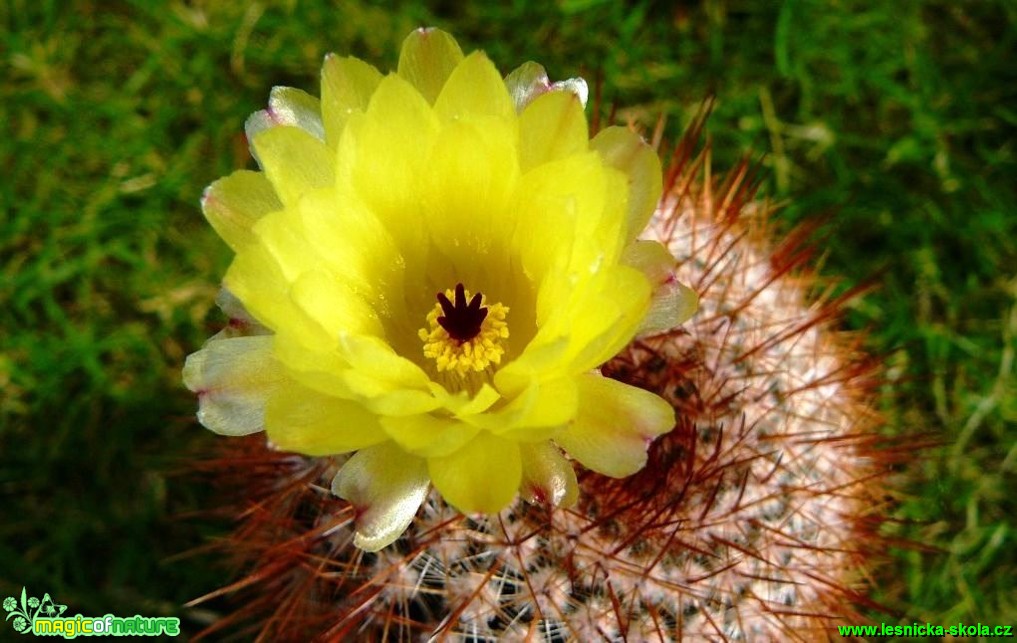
<point>304,421</point>
<point>382,380</point>
<point>346,88</point>
<point>474,89</point>
<point>548,478</point>
<point>294,161</point>
<point>559,204</point>
<point>429,436</point>
<point>597,318</point>
<point>615,426</point>
<point>380,157</point>
<point>235,203</point>
<point>318,370</point>
<point>427,59</point>
<point>463,404</point>
<point>334,305</point>
<point>483,476</point>
<point>466,196</point>
<point>233,379</point>
<point>625,150</point>
<point>256,278</point>
<point>551,127</point>
<point>535,414</point>
<point>386,487</point>
<point>350,241</point>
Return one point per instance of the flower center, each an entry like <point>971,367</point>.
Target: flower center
<point>463,334</point>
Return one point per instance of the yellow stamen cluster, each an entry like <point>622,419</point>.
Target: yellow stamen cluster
<point>475,354</point>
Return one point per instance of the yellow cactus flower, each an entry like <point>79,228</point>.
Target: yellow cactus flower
<point>429,270</point>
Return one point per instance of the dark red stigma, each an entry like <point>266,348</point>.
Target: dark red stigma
<point>461,320</point>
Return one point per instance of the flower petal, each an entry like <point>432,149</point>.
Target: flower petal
<point>466,197</point>
<point>427,59</point>
<point>386,486</point>
<point>534,414</point>
<point>346,88</point>
<point>287,106</point>
<point>483,476</point>
<point>625,150</point>
<point>380,157</point>
<point>241,323</point>
<point>304,421</point>
<point>474,89</point>
<point>673,302</point>
<point>348,240</point>
<point>559,204</point>
<point>429,436</point>
<point>615,426</point>
<point>233,204</point>
<point>233,379</point>
<point>525,83</point>
<point>552,127</point>
<point>294,161</point>
<point>333,304</point>
<point>382,380</point>
<point>598,317</point>
<point>548,477</point>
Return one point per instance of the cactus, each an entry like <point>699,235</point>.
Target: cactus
<point>757,518</point>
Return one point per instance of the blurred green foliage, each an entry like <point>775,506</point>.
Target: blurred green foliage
<point>894,120</point>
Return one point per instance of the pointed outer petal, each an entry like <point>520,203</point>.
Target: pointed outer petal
<point>466,192</point>
<point>255,124</point>
<point>234,309</point>
<point>552,127</point>
<point>380,156</point>
<point>462,404</point>
<point>625,150</point>
<point>559,204</point>
<point>535,414</point>
<point>548,477</point>
<point>383,381</point>
<point>616,425</point>
<point>673,303</point>
<point>650,258</point>
<point>334,305</point>
<point>354,245</point>
<point>525,83</point>
<point>386,486</point>
<point>286,107</point>
<point>233,379</point>
<point>304,421</point>
<point>475,88</point>
<point>294,161</point>
<point>233,204</point>
<point>289,106</point>
<point>427,60</point>
<point>429,436</point>
<point>483,476</point>
<point>576,86</point>
<point>346,88</point>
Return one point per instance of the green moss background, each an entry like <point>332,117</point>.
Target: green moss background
<point>895,121</point>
